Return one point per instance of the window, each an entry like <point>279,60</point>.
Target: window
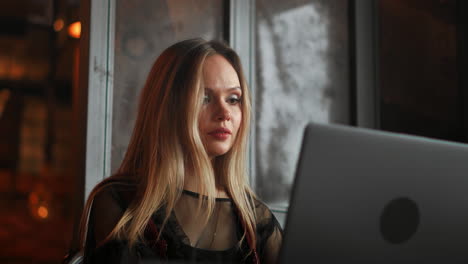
<point>302,75</point>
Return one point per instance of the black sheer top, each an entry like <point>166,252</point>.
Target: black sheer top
<point>183,240</point>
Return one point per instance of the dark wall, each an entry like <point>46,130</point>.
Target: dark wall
<point>418,68</point>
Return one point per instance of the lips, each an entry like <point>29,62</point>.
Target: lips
<point>220,133</point>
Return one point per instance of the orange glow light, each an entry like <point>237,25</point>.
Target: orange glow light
<point>42,212</point>
<point>17,71</point>
<point>58,25</point>
<point>74,30</point>
<point>33,198</point>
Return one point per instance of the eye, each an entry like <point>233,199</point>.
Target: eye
<point>233,99</point>
<point>206,99</point>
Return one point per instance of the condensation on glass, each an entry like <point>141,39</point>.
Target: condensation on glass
<point>302,75</point>
<point>144,28</point>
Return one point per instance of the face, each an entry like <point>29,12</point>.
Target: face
<point>221,114</point>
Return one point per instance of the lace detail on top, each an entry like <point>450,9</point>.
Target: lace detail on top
<point>221,231</point>
<point>186,239</point>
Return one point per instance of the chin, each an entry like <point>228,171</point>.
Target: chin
<point>215,151</point>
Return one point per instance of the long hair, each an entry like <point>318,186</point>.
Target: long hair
<point>166,144</point>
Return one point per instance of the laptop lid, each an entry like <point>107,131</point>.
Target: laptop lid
<point>366,196</point>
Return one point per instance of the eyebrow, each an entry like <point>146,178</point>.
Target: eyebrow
<point>229,89</point>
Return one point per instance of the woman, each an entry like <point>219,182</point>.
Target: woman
<point>181,191</point>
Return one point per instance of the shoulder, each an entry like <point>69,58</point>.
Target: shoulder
<point>108,206</point>
<point>113,193</point>
<point>261,209</point>
<point>269,233</point>
<point>116,193</point>
<point>264,216</point>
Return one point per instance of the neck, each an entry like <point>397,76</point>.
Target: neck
<point>190,184</point>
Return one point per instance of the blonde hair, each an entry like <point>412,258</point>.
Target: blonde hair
<point>165,144</point>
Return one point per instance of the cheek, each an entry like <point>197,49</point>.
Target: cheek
<point>202,120</point>
<point>238,120</point>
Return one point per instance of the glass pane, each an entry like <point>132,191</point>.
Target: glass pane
<point>302,75</point>
<point>143,30</point>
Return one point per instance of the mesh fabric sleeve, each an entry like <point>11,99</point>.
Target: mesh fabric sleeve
<point>269,235</point>
<point>105,214</point>
<point>106,211</point>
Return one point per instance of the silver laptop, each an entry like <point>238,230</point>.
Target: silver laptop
<point>365,196</point>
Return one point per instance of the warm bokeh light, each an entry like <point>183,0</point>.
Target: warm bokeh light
<point>33,198</point>
<point>42,212</point>
<point>58,24</point>
<point>74,30</point>
<point>17,70</point>
<point>4,97</point>
<point>3,67</point>
<point>39,201</point>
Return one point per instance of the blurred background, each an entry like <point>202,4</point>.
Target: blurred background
<point>39,46</point>
<point>71,72</point>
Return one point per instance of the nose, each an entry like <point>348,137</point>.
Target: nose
<point>223,113</point>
